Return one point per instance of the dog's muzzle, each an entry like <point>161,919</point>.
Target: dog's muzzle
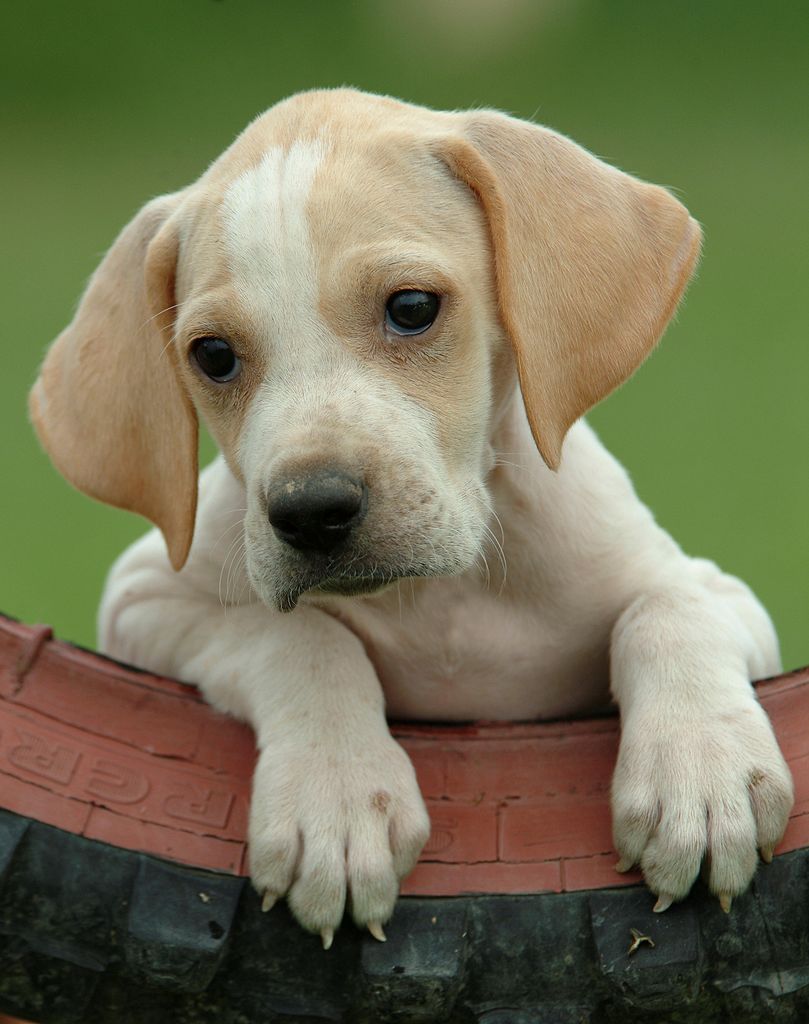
<point>318,517</point>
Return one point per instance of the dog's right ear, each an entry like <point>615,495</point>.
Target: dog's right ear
<point>109,405</point>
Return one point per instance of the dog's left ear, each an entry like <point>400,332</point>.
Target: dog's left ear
<point>109,405</point>
<point>589,263</point>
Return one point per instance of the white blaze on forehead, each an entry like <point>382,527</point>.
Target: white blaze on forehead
<point>266,236</point>
<point>270,256</point>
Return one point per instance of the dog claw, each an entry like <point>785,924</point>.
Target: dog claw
<point>327,937</point>
<point>766,854</point>
<point>268,901</point>
<point>664,901</point>
<point>624,865</point>
<point>725,901</point>
<point>375,928</point>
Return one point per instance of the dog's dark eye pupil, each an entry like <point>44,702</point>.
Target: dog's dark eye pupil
<point>411,312</point>
<point>216,358</point>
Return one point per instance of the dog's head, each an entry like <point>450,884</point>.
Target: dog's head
<point>343,296</point>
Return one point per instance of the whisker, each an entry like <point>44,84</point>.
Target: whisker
<point>233,575</point>
<point>224,534</point>
<point>488,576</point>
<point>233,547</point>
<point>501,549</point>
<point>160,312</point>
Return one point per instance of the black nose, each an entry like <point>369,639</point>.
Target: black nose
<point>316,512</point>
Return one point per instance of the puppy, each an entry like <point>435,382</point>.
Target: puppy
<point>392,320</point>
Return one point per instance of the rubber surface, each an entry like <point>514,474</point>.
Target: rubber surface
<point>91,933</point>
<point>102,767</point>
<point>137,761</point>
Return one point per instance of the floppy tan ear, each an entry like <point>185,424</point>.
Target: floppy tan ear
<point>109,406</point>
<point>589,263</point>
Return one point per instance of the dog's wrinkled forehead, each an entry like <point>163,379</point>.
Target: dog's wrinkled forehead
<point>339,171</point>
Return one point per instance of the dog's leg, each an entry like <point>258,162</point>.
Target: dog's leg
<point>699,770</point>
<point>336,810</point>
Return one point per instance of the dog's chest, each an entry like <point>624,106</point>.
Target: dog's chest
<point>459,656</point>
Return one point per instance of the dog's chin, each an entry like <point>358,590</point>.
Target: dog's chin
<point>356,587</point>
<point>338,586</point>
<point>283,587</point>
<point>286,598</point>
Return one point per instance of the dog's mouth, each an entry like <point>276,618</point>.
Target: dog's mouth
<point>347,584</point>
<point>356,586</point>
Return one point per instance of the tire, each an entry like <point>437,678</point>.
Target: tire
<point>123,894</point>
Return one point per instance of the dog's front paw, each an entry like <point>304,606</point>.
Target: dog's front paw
<point>330,826</point>
<point>697,788</point>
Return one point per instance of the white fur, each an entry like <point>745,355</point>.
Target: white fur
<point>266,239</point>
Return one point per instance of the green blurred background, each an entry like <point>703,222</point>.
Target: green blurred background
<point>106,104</point>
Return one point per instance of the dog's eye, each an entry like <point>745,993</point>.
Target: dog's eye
<point>216,359</point>
<point>411,312</point>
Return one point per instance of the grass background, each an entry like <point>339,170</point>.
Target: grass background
<point>106,104</point>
